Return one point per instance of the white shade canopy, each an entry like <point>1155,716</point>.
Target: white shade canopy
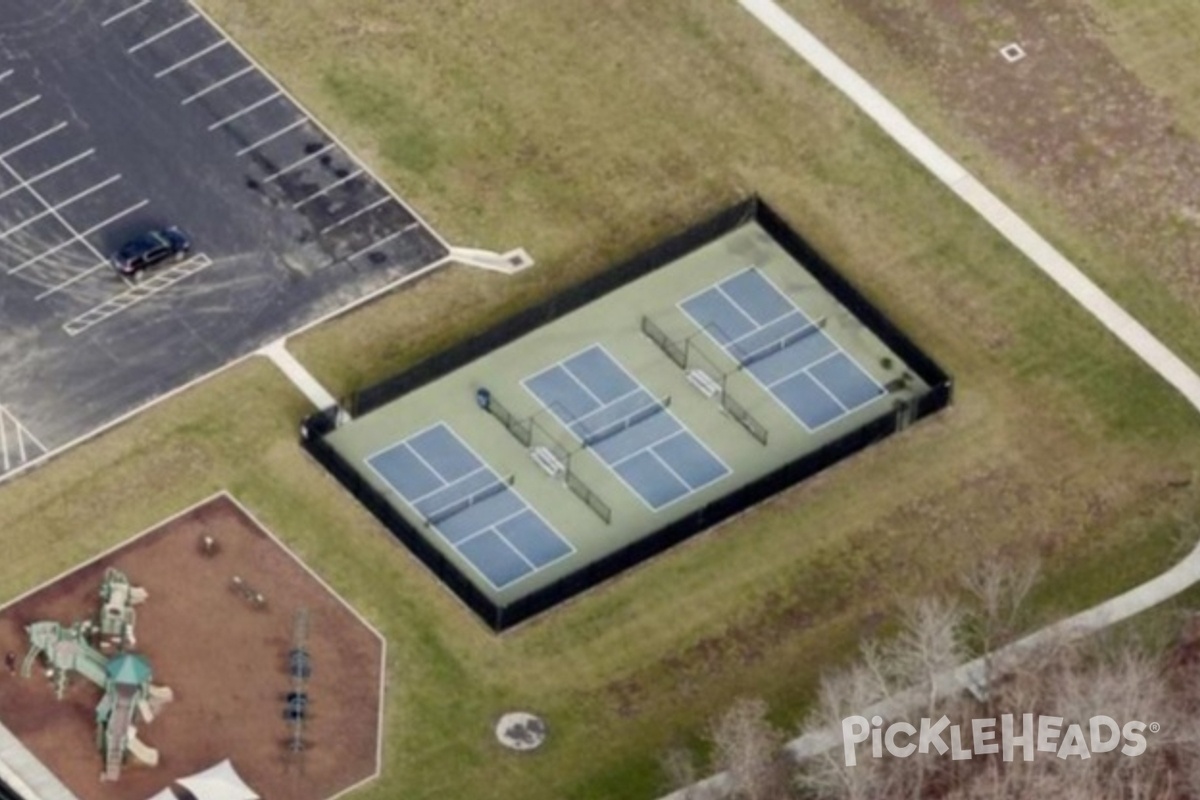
<point>219,782</point>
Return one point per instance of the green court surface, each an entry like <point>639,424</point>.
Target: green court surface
<point>445,464</point>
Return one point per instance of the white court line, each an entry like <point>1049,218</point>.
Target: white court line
<point>248,148</point>
<point>429,494</point>
<point>61,204</point>
<point>607,406</point>
<point>164,72</point>
<point>33,140</point>
<point>79,237</point>
<point>650,446</point>
<point>245,111</point>
<point>72,280</point>
<point>294,164</point>
<point>355,215</point>
<point>6,74</point>
<point>23,104</point>
<point>217,85</point>
<point>670,469</point>
<point>162,33</point>
<point>383,241</point>
<point>327,189</point>
<point>122,14</point>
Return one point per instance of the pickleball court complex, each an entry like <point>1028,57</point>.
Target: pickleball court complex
<point>629,413</point>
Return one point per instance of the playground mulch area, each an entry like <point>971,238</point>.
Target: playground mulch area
<point>224,657</point>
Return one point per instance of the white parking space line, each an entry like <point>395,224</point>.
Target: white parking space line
<point>272,137</point>
<point>23,104</point>
<point>164,32</point>
<point>383,241</point>
<point>354,216</point>
<point>33,140</point>
<point>6,74</point>
<point>328,189</point>
<point>294,164</point>
<point>61,204</point>
<point>217,85</point>
<point>75,159</point>
<point>20,434</point>
<point>79,237</point>
<point>126,12</point>
<point>25,182</point>
<point>193,57</point>
<point>237,115</point>
<point>72,280</point>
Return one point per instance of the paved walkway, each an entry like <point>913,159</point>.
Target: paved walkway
<point>317,394</point>
<point>1051,262</point>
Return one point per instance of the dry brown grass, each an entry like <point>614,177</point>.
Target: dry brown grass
<point>585,132</point>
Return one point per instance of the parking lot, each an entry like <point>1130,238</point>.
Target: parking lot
<point>118,116</point>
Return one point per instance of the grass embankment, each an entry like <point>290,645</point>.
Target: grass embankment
<point>585,134</point>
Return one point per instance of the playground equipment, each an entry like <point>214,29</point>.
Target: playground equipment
<point>124,678</point>
<point>300,669</point>
<point>248,593</point>
<point>117,616</point>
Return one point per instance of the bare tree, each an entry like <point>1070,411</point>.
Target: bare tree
<point>842,694</point>
<point>748,747</point>
<point>998,589</point>
<point>928,644</point>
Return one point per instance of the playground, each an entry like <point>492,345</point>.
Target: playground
<point>195,649</point>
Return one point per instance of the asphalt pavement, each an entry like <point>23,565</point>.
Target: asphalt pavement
<point>119,116</point>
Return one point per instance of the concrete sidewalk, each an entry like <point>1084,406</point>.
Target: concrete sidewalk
<point>317,394</point>
<point>1068,277</point>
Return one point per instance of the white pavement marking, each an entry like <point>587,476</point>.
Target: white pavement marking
<point>61,204</point>
<point>137,293</point>
<point>164,32</point>
<point>256,104</point>
<point>23,104</point>
<point>369,297</point>
<point>214,86</point>
<point>303,380</point>
<point>122,14</point>
<point>6,74</point>
<point>26,182</point>
<point>72,280</point>
<point>276,175</point>
<point>28,186</point>
<point>79,237</point>
<point>33,140</point>
<point>22,440</point>
<point>382,241</point>
<point>355,215</point>
<point>327,189</point>
<point>328,134</point>
<point>250,147</point>
<point>1178,578</point>
<point>59,167</point>
<point>193,57</point>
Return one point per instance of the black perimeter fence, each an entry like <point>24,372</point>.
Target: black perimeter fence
<point>6,792</point>
<point>499,617</point>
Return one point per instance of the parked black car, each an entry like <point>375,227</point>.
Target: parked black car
<point>149,249</point>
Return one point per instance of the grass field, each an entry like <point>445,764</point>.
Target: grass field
<point>584,133</point>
